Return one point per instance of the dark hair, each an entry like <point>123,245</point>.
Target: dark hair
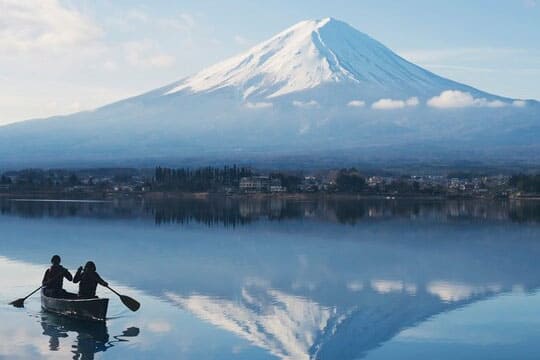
<point>90,266</point>
<point>55,260</point>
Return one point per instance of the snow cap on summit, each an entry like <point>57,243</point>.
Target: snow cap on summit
<point>312,53</point>
<point>301,57</point>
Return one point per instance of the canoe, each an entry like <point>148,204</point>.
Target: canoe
<point>83,309</point>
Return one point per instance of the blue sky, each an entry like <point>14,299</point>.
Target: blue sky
<point>63,56</point>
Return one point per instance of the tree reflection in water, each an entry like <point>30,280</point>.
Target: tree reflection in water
<point>238,211</point>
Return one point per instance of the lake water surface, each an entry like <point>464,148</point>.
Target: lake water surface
<point>280,279</point>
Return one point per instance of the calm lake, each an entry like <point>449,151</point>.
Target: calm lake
<point>280,279</point>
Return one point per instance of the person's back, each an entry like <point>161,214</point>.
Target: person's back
<point>53,280</point>
<point>88,279</point>
<point>54,277</point>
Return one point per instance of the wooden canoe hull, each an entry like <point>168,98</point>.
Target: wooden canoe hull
<point>85,309</point>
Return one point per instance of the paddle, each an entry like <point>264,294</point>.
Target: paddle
<point>130,303</point>
<point>19,303</point>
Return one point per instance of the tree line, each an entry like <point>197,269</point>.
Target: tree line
<point>31,179</point>
<point>526,183</point>
<point>202,179</point>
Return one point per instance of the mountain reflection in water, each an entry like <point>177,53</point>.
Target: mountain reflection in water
<point>318,279</point>
<point>294,327</point>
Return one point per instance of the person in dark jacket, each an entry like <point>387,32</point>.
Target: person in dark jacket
<point>53,280</point>
<point>89,279</point>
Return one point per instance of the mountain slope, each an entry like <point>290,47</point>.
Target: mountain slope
<point>318,88</point>
<point>313,53</point>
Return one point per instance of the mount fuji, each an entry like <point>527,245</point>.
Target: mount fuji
<point>318,90</point>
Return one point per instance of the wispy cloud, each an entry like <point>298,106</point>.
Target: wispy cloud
<point>182,22</point>
<point>462,54</point>
<point>145,54</point>
<point>43,25</point>
<point>476,60</point>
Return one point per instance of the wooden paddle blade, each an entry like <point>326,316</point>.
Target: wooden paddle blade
<point>131,303</point>
<point>19,303</point>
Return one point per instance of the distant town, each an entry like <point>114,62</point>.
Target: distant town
<point>235,180</point>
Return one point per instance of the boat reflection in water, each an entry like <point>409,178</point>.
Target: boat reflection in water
<point>92,336</point>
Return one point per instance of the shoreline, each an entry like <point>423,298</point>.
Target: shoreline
<point>111,196</point>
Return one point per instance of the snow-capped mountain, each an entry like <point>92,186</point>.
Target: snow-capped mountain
<point>314,53</point>
<point>318,89</point>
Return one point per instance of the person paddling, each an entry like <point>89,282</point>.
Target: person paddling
<point>53,280</point>
<point>89,279</point>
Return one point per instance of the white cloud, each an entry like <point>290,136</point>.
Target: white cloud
<point>391,104</point>
<point>183,22</point>
<point>493,104</point>
<point>387,104</point>
<point>144,54</point>
<point>356,103</point>
<point>519,103</point>
<point>412,101</point>
<point>306,104</point>
<point>450,291</point>
<point>355,286</point>
<point>449,99</point>
<point>388,286</point>
<point>258,105</point>
<point>43,25</point>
